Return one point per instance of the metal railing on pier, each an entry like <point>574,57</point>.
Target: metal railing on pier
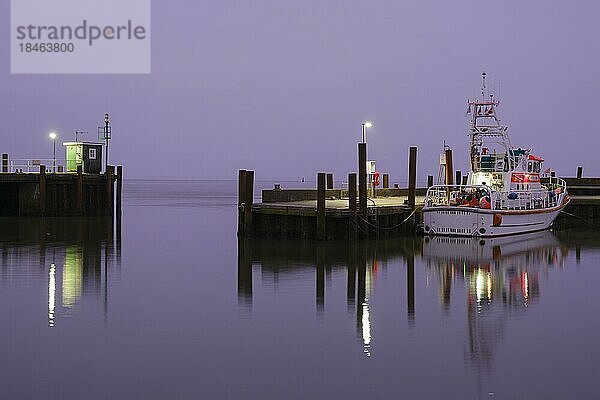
<point>33,165</point>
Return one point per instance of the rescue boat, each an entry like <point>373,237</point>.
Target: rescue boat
<point>506,191</point>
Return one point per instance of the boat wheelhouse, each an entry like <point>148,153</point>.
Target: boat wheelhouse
<point>506,191</point>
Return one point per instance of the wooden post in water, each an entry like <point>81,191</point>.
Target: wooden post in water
<point>241,201</point>
<point>249,198</point>
<point>458,176</point>
<point>449,168</point>
<point>321,233</point>
<point>429,181</point>
<point>362,187</point>
<point>579,172</point>
<point>329,181</point>
<point>119,190</point>
<point>79,194</point>
<point>412,176</point>
<point>353,221</point>
<point>42,190</point>
<point>4,162</point>
<point>362,178</point>
<point>110,173</point>
<point>386,181</point>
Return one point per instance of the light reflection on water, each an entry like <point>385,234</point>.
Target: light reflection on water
<point>499,276</point>
<point>77,253</point>
<point>162,311</point>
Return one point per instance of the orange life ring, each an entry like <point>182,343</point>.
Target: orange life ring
<point>484,202</point>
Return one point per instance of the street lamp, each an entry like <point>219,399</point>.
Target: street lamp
<point>53,137</point>
<point>365,125</point>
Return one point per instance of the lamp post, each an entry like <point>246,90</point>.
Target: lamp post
<point>53,137</point>
<point>365,125</point>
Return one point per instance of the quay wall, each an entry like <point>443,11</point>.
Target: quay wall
<point>60,194</point>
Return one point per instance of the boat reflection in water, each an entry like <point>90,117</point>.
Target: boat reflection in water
<point>75,254</point>
<point>501,276</point>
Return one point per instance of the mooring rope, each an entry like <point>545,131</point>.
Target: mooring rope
<point>581,218</point>
<point>387,227</point>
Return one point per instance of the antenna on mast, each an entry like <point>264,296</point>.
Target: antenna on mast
<point>483,74</point>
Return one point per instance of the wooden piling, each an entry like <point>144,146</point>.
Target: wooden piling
<point>579,172</point>
<point>329,181</point>
<point>241,201</point>
<point>429,181</point>
<point>249,199</point>
<point>119,190</point>
<point>42,190</point>
<point>362,189</point>
<point>4,162</point>
<point>110,173</point>
<point>321,233</point>
<point>412,176</point>
<point>362,178</point>
<point>79,190</point>
<point>353,222</point>
<point>449,168</point>
<point>386,181</point>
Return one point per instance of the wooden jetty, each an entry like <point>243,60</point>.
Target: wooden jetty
<point>355,212</point>
<point>331,214</point>
<point>60,193</point>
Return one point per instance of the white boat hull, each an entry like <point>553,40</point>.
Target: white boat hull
<point>472,221</point>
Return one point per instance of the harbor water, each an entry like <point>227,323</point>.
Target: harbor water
<point>170,305</point>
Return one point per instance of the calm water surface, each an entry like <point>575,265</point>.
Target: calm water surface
<point>173,306</point>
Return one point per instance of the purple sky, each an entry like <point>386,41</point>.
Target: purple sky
<point>282,87</point>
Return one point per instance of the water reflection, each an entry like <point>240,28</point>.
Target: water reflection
<point>502,280</point>
<point>361,262</point>
<point>499,278</point>
<point>75,254</point>
<point>51,294</point>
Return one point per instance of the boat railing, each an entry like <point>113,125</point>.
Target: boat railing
<point>444,195</point>
<point>482,196</point>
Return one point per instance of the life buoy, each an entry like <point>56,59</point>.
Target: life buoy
<point>376,179</point>
<point>484,202</point>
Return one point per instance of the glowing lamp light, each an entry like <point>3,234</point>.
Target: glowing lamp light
<point>52,135</point>
<point>365,125</point>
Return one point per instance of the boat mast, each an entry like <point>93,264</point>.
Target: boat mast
<point>485,123</point>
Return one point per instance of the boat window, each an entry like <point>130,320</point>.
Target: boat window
<point>529,166</point>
